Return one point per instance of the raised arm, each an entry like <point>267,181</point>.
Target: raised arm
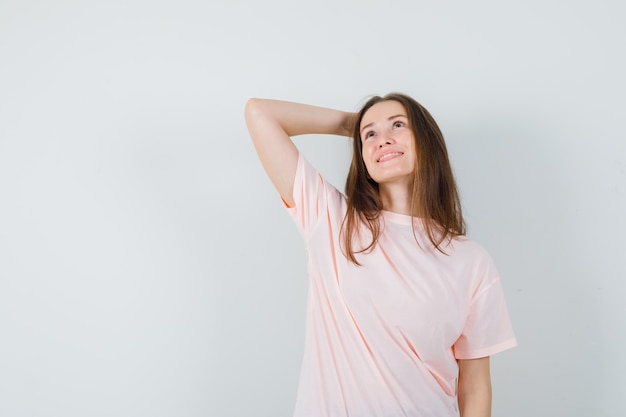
<point>271,124</point>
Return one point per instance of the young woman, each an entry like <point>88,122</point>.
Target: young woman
<point>404,311</point>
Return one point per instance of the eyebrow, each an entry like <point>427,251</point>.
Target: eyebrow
<point>389,118</point>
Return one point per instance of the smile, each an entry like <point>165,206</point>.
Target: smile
<point>389,155</point>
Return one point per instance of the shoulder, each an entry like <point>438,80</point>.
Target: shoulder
<point>315,199</point>
<point>308,177</point>
<point>474,259</point>
<point>464,246</point>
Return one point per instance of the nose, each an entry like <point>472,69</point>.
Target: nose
<point>385,139</point>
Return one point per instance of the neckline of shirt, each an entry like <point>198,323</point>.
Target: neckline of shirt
<point>398,218</point>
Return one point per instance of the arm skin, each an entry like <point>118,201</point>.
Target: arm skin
<point>271,124</point>
<point>474,387</point>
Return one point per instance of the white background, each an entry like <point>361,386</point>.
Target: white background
<point>146,265</point>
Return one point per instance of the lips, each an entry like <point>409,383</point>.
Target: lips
<point>389,155</point>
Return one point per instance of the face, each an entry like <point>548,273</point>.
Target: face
<point>388,143</point>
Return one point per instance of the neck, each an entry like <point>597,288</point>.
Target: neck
<point>396,198</point>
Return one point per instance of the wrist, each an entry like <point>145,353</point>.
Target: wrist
<point>347,125</point>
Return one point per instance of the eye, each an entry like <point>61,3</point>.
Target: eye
<point>368,134</point>
<point>398,124</point>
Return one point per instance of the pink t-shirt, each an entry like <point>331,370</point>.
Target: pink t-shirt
<point>383,339</point>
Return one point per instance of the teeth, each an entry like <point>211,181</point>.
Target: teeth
<point>389,155</point>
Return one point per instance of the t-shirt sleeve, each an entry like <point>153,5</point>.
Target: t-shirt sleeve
<point>488,328</point>
<point>314,197</point>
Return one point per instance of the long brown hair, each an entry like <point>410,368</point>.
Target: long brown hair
<point>434,195</point>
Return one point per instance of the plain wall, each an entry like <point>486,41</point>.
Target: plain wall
<point>147,267</point>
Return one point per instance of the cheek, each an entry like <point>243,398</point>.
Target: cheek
<point>411,146</point>
<point>367,150</point>
<point>366,156</point>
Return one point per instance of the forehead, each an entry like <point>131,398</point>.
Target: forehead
<point>382,111</point>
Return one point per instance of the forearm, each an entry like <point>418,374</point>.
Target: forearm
<point>300,119</point>
<point>474,390</point>
<point>475,404</point>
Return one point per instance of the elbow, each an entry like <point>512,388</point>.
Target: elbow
<point>258,118</point>
<point>254,108</point>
